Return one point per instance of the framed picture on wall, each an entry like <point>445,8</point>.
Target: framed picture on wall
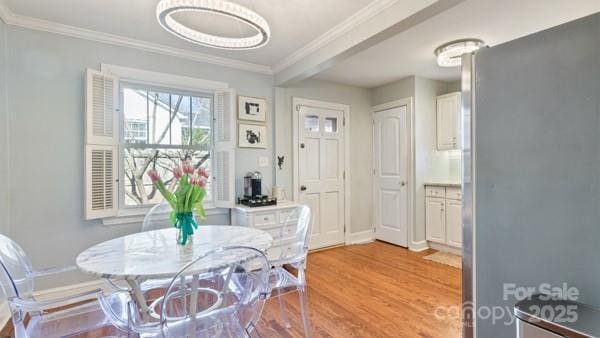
<point>252,108</point>
<point>252,136</point>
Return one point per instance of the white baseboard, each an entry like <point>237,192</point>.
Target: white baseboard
<point>361,237</point>
<point>446,248</point>
<point>54,293</point>
<point>418,246</point>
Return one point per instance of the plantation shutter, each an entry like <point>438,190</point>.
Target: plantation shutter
<point>224,148</point>
<point>101,149</point>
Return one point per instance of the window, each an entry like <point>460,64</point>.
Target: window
<point>135,120</point>
<point>161,128</point>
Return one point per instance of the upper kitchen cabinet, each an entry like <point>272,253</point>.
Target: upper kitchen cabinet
<point>448,121</point>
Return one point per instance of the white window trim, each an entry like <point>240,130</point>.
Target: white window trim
<point>149,78</point>
<point>145,77</point>
<point>131,216</point>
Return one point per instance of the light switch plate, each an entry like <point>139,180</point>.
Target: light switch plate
<point>263,161</point>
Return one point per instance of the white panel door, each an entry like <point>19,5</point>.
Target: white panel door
<point>435,219</point>
<point>321,172</point>
<point>454,222</point>
<point>390,198</point>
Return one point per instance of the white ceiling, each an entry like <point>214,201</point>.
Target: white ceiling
<point>494,21</point>
<point>294,23</point>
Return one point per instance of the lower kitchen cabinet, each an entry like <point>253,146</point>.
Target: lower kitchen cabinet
<point>443,215</point>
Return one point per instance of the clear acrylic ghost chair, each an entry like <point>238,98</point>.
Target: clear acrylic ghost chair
<point>220,294</point>
<point>291,248</point>
<point>62,317</point>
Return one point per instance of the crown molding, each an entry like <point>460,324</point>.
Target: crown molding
<point>336,32</point>
<point>13,19</point>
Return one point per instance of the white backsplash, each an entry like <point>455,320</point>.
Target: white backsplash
<point>445,166</point>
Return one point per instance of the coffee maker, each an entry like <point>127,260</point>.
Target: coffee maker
<point>253,185</point>
<point>253,196</point>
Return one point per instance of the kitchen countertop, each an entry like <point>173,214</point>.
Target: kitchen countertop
<point>457,184</point>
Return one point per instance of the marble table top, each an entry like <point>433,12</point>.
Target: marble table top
<point>156,254</point>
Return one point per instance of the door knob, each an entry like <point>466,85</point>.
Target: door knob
<point>302,188</point>
<point>402,183</point>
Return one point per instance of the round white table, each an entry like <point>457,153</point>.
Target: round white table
<point>155,254</point>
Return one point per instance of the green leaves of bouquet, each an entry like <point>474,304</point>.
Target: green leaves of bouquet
<point>188,196</point>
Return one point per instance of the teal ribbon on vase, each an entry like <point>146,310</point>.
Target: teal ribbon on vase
<point>186,223</point>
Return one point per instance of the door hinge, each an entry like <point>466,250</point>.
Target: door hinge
<point>344,121</point>
<point>344,175</point>
<point>373,172</point>
<point>374,229</point>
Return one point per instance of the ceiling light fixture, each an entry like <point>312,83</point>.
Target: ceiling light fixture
<point>166,8</point>
<point>449,54</point>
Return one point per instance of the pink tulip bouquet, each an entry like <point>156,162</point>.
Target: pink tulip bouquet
<point>188,196</point>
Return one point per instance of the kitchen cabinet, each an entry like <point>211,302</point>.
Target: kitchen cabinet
<point>269,219</point>
<point>448,121</point>
<point>454,223</point>
<point>436,219</point>
<point>443,215</point>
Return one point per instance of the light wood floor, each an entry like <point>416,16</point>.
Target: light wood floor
<point>370,290</point>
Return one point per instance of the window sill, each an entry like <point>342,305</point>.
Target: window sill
<point>132,216</point>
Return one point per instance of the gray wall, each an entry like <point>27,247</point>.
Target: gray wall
<point>360,140</point>
<point>537,165</point>
<point>3,134</point>
<point>45,112</point>
<point>393,91</point>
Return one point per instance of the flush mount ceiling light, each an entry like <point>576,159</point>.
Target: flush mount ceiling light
<point>167,8</point>
<point>449,54</point>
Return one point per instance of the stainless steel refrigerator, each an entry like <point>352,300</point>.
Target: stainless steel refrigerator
<point>531,123</point>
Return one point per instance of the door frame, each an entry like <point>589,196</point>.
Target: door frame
<point>408,102</point>
<point>297,103</point>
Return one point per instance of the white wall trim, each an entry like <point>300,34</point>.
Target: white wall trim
<point>137,215</point>
<point>13,19</point>
<point>361,237</point>
<point>296,103</point>
<point>336,32</point>
<point>150,78</point>
<point>411,182</point>
<point>419,246</point>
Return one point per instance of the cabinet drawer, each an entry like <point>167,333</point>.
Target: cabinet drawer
<point>432,191</point>
<point>284,214</point>
<point>265,219</point>
<point>277,231</point>
<point>454,193</point>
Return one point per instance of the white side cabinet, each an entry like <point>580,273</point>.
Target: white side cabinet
<point>269,219</point>
<point>443,215</point>
<point>448,121</point>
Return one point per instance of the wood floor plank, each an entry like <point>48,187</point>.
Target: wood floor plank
<point>369,290</point>
<point>372,290</point>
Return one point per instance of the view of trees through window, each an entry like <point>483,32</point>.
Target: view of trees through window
<point>160,130</point>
